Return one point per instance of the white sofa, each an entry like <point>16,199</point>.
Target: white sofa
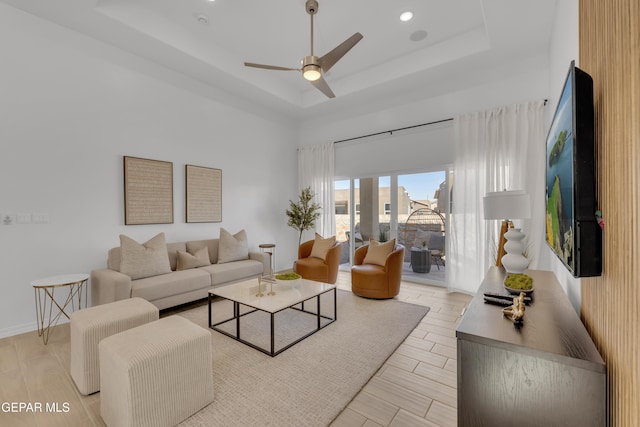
<point>178,286</point>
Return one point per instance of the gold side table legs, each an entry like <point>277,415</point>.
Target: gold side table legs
<point>48,309</point>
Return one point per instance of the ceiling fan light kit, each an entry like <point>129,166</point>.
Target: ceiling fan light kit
<point>310,70</point>
<point>313,67</point>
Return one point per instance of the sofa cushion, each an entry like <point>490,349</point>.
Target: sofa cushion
<point>146,259</point>
<point>377,252</point>
<point>113,259</point>
<point>212,247</point>
<point>312,268</point>
<point>166,285</point>
<point>321,246</point>
<point>232,247</point>
<point>172,250</point>
<point>199,259</point>
<point>114,256</point>
<point>229,272</point>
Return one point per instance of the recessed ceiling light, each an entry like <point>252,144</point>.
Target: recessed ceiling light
<point>406,16</point>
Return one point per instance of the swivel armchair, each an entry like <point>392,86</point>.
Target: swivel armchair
<point>320,270</point>
<point>377,281</point>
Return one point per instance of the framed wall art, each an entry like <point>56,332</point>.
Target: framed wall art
<point>148,191</point>
<point>203,194</point>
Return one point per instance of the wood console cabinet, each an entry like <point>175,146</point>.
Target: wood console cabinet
<point>548,372</point>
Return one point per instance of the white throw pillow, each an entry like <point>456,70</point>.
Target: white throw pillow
<point>144,260</point>
<point>377,252</point>
<point>232,247</point>
<point>199,259</point>
<point>321,246</point>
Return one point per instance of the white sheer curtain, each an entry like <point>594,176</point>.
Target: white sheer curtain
<point>316,170</point>
<point>497,149</point>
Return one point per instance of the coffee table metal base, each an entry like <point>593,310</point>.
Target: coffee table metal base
<point>272,352</point>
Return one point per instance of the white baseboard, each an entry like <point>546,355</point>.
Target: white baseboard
<point>18,329</point>
<point>26,327</point>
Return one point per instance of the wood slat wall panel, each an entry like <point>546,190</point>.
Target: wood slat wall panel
<point>609,43</point>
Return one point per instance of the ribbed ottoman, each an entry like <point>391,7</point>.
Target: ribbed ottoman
<point>90,325</point>
<point>157,374</point>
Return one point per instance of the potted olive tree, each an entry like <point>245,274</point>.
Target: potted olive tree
<point>303,214</point>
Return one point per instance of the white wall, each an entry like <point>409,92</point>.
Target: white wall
<point>562,50</point>
<point>357,159</point>
<point>427,147</point>
<point>70,108</point>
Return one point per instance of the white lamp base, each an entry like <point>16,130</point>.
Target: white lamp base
<point>514,261</point>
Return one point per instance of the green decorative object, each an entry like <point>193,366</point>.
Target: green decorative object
<point>288,276</point>
<point>287,280</point>
<point>303,214</point>
<point>517,283</point>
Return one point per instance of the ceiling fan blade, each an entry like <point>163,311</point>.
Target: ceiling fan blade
<point>270,67</point>
<point>329,59</point>
<point>322,86</point>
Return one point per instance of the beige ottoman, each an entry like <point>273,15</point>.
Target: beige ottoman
<point>90,325</point>
<point>157,374</point>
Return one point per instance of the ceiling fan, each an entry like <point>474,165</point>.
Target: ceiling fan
<point>313,67</point>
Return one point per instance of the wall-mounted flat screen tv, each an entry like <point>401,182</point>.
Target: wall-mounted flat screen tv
<point>572,231</point>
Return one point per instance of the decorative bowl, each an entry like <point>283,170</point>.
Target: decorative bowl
<point>516,283</point>
<point>287,279</point>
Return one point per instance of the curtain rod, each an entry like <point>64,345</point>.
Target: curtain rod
<point>392,130</point>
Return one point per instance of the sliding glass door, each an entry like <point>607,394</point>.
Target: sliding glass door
<point>412,208</point>
<point>363,210</point>
<point>422,226</point>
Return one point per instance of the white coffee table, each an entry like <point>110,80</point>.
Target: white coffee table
<point>285,298</point>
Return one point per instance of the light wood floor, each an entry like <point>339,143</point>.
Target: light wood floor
<point>415,387</point>
<point>417,384</point>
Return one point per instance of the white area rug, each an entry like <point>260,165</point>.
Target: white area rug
<point>310,383</point>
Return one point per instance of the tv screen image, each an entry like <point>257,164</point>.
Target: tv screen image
<point>560,179</point>
<point>572,231</point>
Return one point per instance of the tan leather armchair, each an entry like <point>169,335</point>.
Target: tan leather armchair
<point>315,268</point>
<point>374,281</point>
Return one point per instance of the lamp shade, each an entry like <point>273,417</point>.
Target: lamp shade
<point>513,204</point>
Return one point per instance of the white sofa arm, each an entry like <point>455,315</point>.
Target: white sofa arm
<point>109,286</point>
<point>263,257</point>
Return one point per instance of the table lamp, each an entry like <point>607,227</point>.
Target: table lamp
<point>508,205</point>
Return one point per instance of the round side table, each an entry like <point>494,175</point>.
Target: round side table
<point>420,260</point>
<point>269,248</point>
<point>45,299</point>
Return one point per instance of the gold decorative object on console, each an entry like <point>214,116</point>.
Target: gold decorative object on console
<point>515,312</point>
